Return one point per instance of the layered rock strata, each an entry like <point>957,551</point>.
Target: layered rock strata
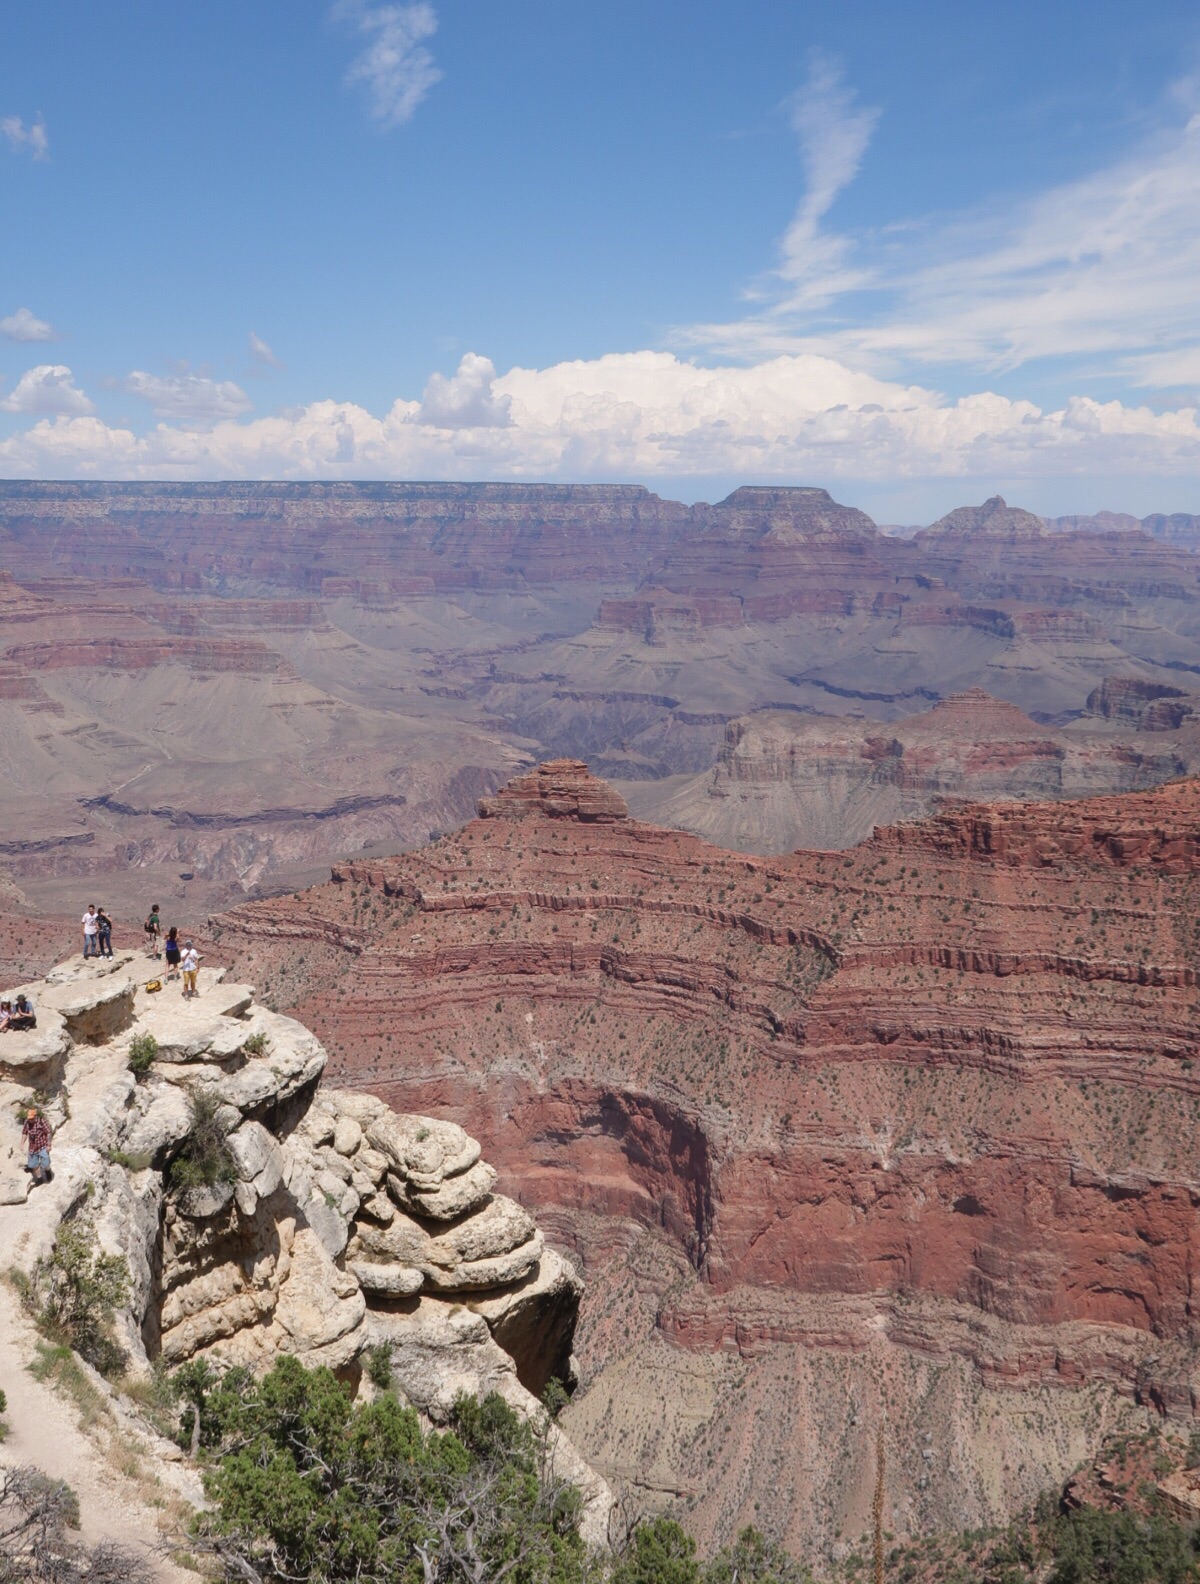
<point>332,1224</point>
<point>900,1137</point>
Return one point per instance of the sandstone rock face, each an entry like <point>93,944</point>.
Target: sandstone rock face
<point>248,1265</point>
<point>909,1128</point>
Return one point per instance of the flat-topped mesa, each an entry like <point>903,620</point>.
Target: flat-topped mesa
<point>558,789</point>
<point>1157,830</point>
<point>796,511</point>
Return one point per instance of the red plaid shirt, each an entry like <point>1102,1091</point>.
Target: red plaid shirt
<point>36,1131</point>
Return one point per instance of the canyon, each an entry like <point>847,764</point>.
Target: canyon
<point>894,1141</point>
<point>801,917</point>
<point>210,691</point>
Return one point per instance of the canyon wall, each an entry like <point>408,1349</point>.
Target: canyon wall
<point>896,1140</point>
<point>212,691</point>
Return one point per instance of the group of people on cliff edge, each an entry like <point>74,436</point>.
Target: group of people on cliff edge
<point>97,932</point>
<point>183,958</point>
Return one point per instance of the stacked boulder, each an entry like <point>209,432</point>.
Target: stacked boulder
<point>326,1223</point>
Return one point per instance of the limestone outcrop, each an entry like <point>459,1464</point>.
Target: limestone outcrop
<point>310,1221</point>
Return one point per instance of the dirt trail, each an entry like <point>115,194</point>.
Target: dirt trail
<point>44,1430</point>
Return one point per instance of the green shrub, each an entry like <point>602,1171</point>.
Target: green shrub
<point>378,1365</point>
<point>79,1289</point>
<point>256,1044</point>
<point>143,1052</point>
<point>137,1161</point>
<point>203,1159</point>
<point>304,1484</point>
<point>659,1553</point>
<point>3,1410</point>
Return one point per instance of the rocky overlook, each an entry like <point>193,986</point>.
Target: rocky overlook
<point>908,1127</point>
<point>334,1225</point>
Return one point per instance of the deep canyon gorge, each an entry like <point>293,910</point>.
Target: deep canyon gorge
<point>801,916</point>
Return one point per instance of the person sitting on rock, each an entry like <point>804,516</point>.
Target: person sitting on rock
<point>35,1130</point>
<point>91,932</point>
<point>5,1016</point>
<point>22,1014</point>
<point>104,926</point>
<point>191,967</point>
<point>171,951</point>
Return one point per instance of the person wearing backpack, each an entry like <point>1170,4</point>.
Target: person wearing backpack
<point>153,928</point>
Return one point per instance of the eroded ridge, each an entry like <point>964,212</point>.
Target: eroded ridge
<point>925,1109</point>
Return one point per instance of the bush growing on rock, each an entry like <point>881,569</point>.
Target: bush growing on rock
<point>203,1159</point>
<point>143,1052</point>
<point>79,1289</point>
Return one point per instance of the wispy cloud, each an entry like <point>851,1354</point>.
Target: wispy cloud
<point>25,326</point>
<point>395,68</point>
<point>261,354</point>
<point>833,134</point>
<point>187,397</point>
<point>1103,272</point>
<point>48,389</point>
<point>28,139</point>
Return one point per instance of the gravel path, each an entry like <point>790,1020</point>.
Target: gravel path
<point>44,1430</point>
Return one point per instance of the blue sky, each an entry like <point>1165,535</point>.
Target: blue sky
<point>916,253</point>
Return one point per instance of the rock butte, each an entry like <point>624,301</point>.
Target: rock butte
<point>900,1138</point>
<point>344,1225</point>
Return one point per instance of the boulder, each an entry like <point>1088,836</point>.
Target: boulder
<point>497,1246</point>
<point>161,1119</point>
<point>205,1200</point>
<point>320,1308</point>
<point>347,1136</point>
<point>392,1281</point>
<point>94,1008</point>
<point>421,1149</point>
<point>453,1197</point>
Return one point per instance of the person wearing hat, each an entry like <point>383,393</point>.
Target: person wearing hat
<point>35,1130</point>
<point>190,963</point>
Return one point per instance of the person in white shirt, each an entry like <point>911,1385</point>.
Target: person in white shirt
<point>190,963</point>
<point>91,932</point>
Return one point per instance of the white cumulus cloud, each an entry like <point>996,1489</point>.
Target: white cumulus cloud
<point>467,400</point>
<point>797,418</point>
<point>189,397</point>
<point>49,388</point>
<point>25,326</point>
<point>28,139</point>
<point>395,68</point>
